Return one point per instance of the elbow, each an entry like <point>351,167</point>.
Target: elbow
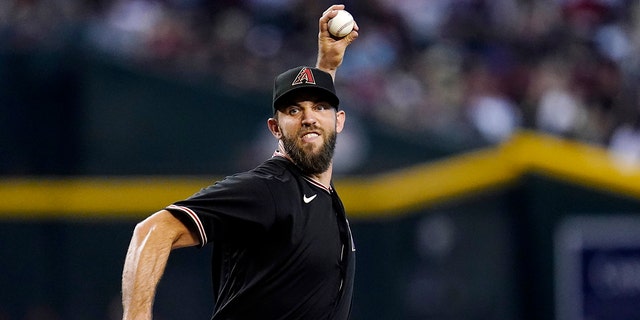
<point>161,228</point>
<point>143,230</point>
<point>149,232</point>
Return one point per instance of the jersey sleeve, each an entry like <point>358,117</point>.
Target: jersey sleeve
<point>237,208</point>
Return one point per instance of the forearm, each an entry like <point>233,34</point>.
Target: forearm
<point>145,262</point>
<point>144,265</point>
<point>330,69</point>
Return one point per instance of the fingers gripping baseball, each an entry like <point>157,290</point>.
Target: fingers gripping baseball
<point>331,49</point>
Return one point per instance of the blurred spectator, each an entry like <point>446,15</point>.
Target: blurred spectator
<point>488,109</point>
<point>558,110</point>
<point>625,143</point>
<point>560,66</point>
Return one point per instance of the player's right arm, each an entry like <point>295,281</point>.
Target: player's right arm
<point>149,249</point>
<point>331,50</point>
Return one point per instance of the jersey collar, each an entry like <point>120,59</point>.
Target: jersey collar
<point>309,179</point>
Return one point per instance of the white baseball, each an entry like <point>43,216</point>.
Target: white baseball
<point>342,24</point>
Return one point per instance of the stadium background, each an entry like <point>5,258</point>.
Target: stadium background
<point>477,130</point>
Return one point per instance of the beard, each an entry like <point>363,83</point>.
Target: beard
<point>308,161</point>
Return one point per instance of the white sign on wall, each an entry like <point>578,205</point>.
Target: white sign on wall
<point>597,268</point>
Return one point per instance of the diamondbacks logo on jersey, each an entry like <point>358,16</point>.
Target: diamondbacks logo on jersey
<point>305,76</point>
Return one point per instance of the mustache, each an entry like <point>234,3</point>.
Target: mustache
<point>312,128</point>
<point>308,129</point>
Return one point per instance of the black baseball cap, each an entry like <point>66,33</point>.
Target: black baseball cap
<point>306,78</point>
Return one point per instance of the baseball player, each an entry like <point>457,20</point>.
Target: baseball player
<point>282,247</point>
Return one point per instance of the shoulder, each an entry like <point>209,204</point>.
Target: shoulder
<point>263,184</point>
<point>274,171</point>
<point>280,176</point>
<point>276,168</point>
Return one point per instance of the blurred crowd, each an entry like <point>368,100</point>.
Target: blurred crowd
<point>465,69</point>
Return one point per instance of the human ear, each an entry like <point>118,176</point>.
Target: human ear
<point>340,119</point>
<point>272,124</point>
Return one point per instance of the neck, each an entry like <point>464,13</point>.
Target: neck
<point>324,178</point>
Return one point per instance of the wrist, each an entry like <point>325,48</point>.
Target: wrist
<point>330,69</point>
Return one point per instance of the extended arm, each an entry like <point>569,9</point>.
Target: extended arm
<point>330,49</point>
<point>151,243</point>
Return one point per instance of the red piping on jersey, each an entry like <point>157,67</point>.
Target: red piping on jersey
<point>317,184</point>
<point>194,217</point>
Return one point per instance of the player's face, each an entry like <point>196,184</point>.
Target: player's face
<point>308,128</point>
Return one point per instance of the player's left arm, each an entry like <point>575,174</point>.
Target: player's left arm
<point>331,49</point>
<point>149,249</point>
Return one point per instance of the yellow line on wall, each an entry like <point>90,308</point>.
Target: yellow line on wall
<point>385,195</point>
<point>92,196</point>
<point>578,163</point>
<point>396,192</point>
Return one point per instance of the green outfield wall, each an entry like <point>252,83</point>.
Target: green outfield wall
<point>470,236</point>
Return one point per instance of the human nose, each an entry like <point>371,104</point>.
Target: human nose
<point>308,117</point>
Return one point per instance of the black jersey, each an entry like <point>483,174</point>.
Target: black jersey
<point>282,247</point>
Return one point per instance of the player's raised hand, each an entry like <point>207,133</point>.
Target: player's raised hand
<point>331,49</point>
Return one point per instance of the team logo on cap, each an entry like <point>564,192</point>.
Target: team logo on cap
<point>305,76</point>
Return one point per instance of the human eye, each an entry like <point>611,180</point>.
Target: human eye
<point>323,106</point>
<point>293,111</point>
